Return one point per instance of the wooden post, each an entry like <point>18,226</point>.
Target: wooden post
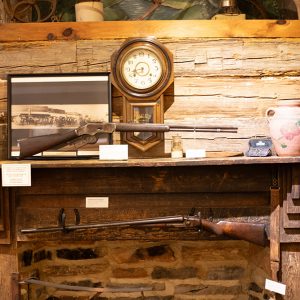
<point>15,286</point>
<point>275,233</point>
<point>291,270</point>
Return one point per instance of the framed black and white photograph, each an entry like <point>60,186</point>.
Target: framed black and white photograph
<point>44,104</point>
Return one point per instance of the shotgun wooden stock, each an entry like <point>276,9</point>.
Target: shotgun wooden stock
<point>250,232</point>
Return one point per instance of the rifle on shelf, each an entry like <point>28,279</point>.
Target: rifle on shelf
<point>33,145</point>
<point>252,232</point>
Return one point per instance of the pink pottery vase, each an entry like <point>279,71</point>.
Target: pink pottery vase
<point>284,123</point>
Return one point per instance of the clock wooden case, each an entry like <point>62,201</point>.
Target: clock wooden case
<point>142,70</point>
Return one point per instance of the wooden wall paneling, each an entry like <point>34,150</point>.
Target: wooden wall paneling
<point>1,213</point>
<point>150,180</point>
<point>289,223</point>
<point>123,207</point>
<point>9,265</point>
<point>3,119</point>
<point>291,211</point>
<point>183,200</point>
<point>38,57</point>
<point>8,249</point>
<point>293,202</point>
<point>141,193</point>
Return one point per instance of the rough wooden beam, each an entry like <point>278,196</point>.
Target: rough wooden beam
<point>161,29</point>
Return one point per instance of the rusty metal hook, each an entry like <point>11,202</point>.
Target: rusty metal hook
<point>62,219</point>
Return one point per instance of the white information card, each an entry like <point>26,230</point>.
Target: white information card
<point>96,202</point>
<point>195,153</point>
<point>275,286</point>
<point>16,174</point>
<point>113,152</point>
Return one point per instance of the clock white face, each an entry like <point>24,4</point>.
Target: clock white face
<point>141,68</point>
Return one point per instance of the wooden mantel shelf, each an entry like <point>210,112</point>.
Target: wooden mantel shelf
<point>20,32</point>
<point>155,162</point>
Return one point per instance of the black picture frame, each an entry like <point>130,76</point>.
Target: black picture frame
<point>42,104</point>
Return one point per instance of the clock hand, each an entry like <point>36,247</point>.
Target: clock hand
<point>139,71</point>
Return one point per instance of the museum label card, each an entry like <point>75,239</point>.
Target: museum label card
<point>275,286</point>
<point>96,202</point>
<point>195,153</point>
<point>113,152</point>
<point>16,174</point>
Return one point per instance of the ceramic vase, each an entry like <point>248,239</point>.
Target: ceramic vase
<point>284,124</point>
<point>89,11</point>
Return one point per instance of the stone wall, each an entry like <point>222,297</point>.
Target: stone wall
<point>216,270</point>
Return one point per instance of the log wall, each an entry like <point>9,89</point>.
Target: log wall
<point>230,78</point>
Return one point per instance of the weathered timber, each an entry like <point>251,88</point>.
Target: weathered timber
<point>182,201</point>
<point>56,58</point>
<point>9,264</point>
<point>157,162</point>
<point>150,180</point>
<point>291,270</point>
<point>5,216</point>
<point>275,230</point>
<point>161,29</point>
<point>201,58</point>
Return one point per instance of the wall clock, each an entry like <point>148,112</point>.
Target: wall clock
<point>142,70</point>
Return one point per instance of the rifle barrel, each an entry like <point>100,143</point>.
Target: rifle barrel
<point>144,127</point>
<point>154,127</point>
<point>204,129</point>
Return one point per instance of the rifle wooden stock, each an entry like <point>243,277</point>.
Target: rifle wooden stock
<point>251,232</point>
<point>37,144</point>
<point>33,145</point>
